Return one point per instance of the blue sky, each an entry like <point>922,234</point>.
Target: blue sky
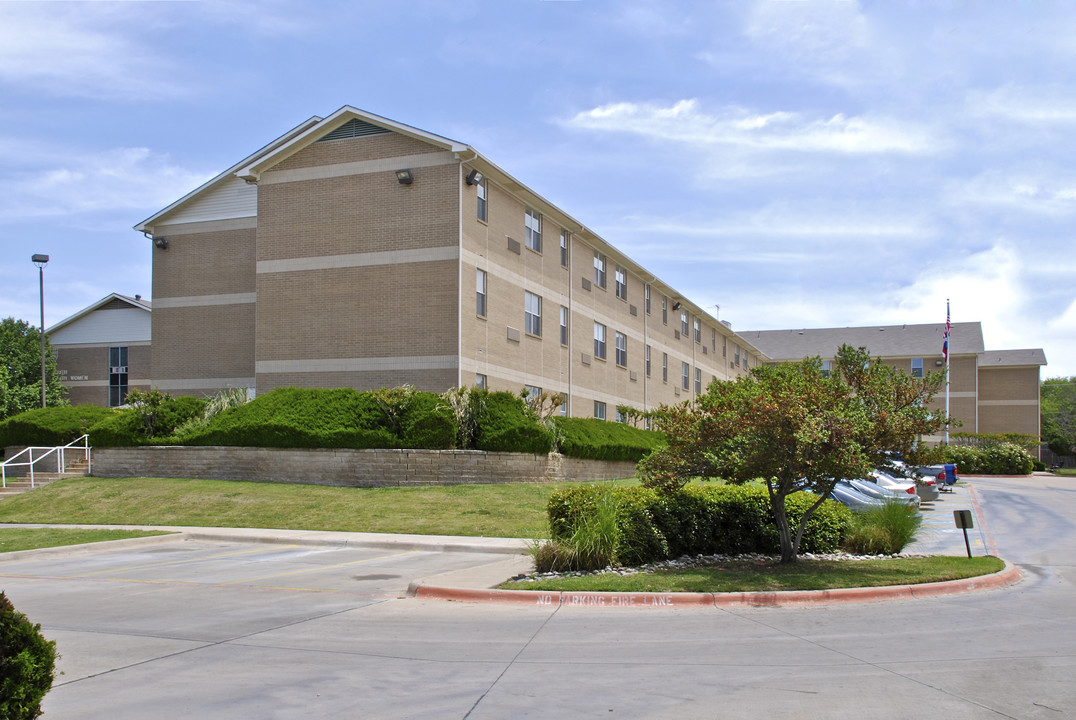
<point>799,164</point>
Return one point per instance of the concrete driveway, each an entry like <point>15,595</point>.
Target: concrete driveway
<point>224,629</point>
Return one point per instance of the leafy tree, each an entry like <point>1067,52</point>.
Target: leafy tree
<point>796,429</point>
<point>20,369</point>
<point>1058,400</point>
<point>27,664</point>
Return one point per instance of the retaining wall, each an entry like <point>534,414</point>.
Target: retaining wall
<point>350,468</point>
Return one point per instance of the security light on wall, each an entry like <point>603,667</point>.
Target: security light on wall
<point>474,177</point>
<point>676,306</point>
<point>404,177</point>
<point>160,243</point>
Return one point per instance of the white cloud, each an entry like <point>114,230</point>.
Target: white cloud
<point>684,122</point>
<point>1032,105</point>
<point>1038,194</point>
<point>120,178</point>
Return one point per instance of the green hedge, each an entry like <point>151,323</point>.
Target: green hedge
<point>505,424</point>
<point>600,440</point>
<point>50,426</point>
<point>707,519</point>
<point>27,664</point>
<point>122,428</point>
<point>995,459</point>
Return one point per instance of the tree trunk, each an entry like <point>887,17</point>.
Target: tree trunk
<point>788,548</point>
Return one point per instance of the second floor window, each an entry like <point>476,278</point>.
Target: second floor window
<point>621,349</point>
<point>599,340</point>
<point>532,314</point>
<point>481,189</point>
<point>533,223</point>
<point>563,325</point>
<point>480,293</point>
<point>621,283</point>
<point>599,269</point>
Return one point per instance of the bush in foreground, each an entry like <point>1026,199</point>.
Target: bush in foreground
<point>50,426</point>
<point>885,530</point>
<point>27,662</point>
<point>1002,458</point>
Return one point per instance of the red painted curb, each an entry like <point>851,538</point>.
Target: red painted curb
<point>1009,575</point>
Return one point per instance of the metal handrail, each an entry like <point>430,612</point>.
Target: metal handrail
<point>61,463</point>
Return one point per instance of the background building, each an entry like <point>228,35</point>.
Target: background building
<point>104,351</point>
<point>994,391</point>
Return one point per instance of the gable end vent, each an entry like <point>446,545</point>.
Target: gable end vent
<point>353,129</point>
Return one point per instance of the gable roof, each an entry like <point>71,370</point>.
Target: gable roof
<point>1011,358</point>
<point>123,301</point>
<point>880,340</point>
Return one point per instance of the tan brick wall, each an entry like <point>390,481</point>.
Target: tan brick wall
<point>371,147</point>
<point>1009,418</point>
<point>83,369</point>
<point>435,380</point>
<point>215,341</point>
<point>351,468</point>
<point>203,263</point>
<point>1016,383</point>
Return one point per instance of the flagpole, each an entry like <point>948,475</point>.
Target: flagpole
<point>945,348</point>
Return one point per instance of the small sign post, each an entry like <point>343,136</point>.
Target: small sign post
<point>964,521</point>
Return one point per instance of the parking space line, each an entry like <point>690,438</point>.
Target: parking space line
<point>186,561</point>
<point>320,567</point>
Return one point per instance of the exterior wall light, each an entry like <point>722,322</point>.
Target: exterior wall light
<point>160,243</point>
<point>677,305</point>
<point>404,177</point>
<point>474,177</point>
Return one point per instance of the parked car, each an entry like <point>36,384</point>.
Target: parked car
<point>854,500</point>
<point>884,494</point>
<point>944,475</point>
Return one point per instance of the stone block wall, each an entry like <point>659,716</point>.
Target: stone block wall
<point>351,468</point>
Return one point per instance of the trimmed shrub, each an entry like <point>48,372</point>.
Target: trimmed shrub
<point>996,459</point>
<point>123,428</point>
<point>27,663</point>
<point>428,423</point>
<point>301,418</point>
<point>707,519</point>
<point>600,440</point>
<point>50,426</point>
<point>506,425</point>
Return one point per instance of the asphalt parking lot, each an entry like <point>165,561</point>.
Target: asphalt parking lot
<point>221,627</point>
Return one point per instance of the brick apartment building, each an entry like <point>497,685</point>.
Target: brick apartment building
<point>357,251</point>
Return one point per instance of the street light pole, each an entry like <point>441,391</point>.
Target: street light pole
<point>41,261</point>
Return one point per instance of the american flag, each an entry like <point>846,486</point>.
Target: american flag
<point>948,326</point>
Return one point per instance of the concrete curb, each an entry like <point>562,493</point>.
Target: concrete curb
<point>1007,576</point>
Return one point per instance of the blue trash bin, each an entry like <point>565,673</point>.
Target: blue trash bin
<point>950,473</point>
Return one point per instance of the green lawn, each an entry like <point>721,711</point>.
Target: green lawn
<point>514,510</point>
<point>12,539</point>
<point>1070,472</point>
<point>772,576</point>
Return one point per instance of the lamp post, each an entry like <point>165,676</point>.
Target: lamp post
<point>41,261</point>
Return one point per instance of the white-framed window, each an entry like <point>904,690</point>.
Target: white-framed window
<point>685,376</point>
<point>599,269</point>
<point>531,393</point>
<point>736,362</point>
<point>827,368</point>
<point>480,188</point>
<point>646,298</point>
<point>698,381</point>
<point>599,410</point>
<point>533,223</point>
<point>117,376</point>
<point>648,361</point>
<point>664,310</point>
<point>480,381</point>
<point>683,322</point>
<point>698,331</point>
<point>564,404</point>
<point>564,248</point>
<point>599,340</point>
<point>917,367</point>
<point>563,325</point>
<point>621,349</point>
<point>621,283</point>
<point>665,367</point>
<point>532,314</point>
<point>480,292</point>
<point>621,417</point>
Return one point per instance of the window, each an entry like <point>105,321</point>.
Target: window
<point>481,188</point>
<point>599,410</point>
<point>563,325</point>
<point>621,283</point>
<point>621,349</point>
<point>698,331</point>
<point>599,269</point>
<point>713,340</point>
<point>599,340</point>
<point>648,361</point>
<point>724,347</point>
<point>621,416</point>
<point>480,381</point>
<point>531,393</point>
<point>564,248</point>
<point>683,322</point>
<point>737,355</point>
<point>532,312</point>
<point>917,367</point>
<point>664,310</point>
<point>646,298</point>
<point>698,381</point>
<point>826,368</point>
<point>533,223</point>
<point>480,293</point>
<point>685,376</point>
<point>665,367</point>
<point>117,376</point>
<point>564,404</point>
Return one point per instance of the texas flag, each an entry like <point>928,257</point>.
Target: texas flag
<point>948,326</point>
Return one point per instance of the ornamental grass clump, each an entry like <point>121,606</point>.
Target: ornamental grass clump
<point>592,543</point>
<point>884,530</point>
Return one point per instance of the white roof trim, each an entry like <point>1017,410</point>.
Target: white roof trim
<point>147,224</point>
<point>138,304</point>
